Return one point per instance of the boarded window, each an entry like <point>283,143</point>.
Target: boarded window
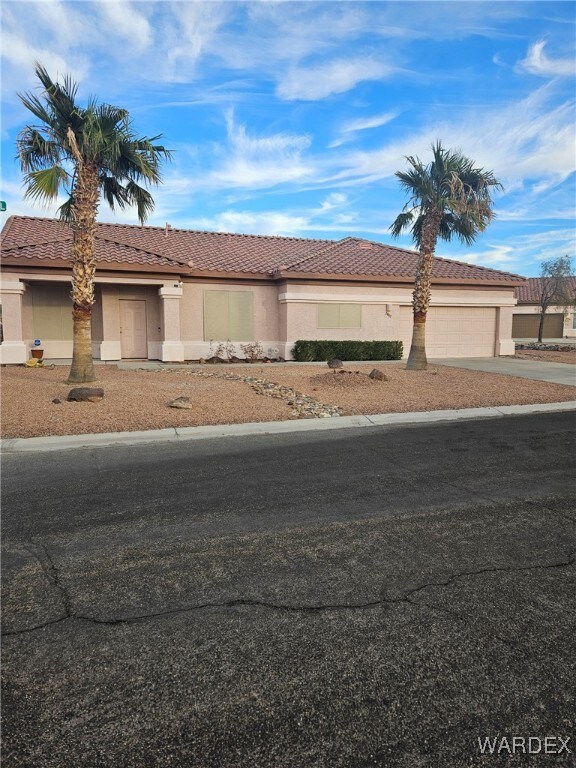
<point>52,312</point>
<point>228,315</point>
<point>339,316</point>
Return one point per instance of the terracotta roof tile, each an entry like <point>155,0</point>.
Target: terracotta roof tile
<point>530,292</point>
<point>188,251</point>
<point>354,256</point>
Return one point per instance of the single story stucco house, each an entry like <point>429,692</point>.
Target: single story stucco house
<point>165,294</point>
<point>559,322</point>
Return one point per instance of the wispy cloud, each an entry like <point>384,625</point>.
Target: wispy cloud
<point>538,63</point>
<point>258,161</point>
<point>323,80</point>
<point>352,127</point>
<point>523,253</point>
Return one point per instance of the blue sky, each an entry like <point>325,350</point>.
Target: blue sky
<point>291,118</point>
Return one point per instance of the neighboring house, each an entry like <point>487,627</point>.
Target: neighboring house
<point>558,323</point>
<point>164,294</point>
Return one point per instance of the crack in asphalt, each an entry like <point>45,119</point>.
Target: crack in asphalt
<point>52,573</point>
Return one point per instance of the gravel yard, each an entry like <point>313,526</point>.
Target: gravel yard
<point>138,400</point>
<point>547,356</point>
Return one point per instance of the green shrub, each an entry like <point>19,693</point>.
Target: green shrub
<point>305,351</point>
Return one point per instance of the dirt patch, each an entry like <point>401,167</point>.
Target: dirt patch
<point>342,380</point>
<point>133,400</point>
<point>547,355</point>
<point>138,400</point>
<point>437,388</point>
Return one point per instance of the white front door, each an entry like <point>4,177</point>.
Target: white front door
<point>134,342</point>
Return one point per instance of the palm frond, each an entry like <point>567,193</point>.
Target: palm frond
<point>44,185</point>
<point>98,135</point>
<point>65,211</point>
<point>141,198</point>
<point>452,190</point>
<point>35,151</point>
<point>401,222</point>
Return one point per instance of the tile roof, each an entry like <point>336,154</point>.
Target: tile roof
<point>355,256</point>
<point>530,292</point>
<point>31,239</point>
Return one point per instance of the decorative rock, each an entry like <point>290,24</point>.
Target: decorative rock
<point>303,406</point>
<point>86,394</point>
<point>377,375</point>
<point>56,401</point>
<point>202,361</point>
<point>181,402</point>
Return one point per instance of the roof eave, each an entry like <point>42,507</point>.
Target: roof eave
<point>500,282</point>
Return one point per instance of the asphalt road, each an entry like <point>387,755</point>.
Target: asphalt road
<point>379,597</point>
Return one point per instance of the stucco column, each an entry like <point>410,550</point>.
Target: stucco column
<point>171,345</point>
<point>504,341</point>
<point>13,349</point>
<point>110,346</point>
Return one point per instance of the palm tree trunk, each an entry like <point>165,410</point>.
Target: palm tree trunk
<point>421,296</point>
<point>84,209</point>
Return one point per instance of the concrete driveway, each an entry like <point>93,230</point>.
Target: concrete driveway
<point>557,373</point>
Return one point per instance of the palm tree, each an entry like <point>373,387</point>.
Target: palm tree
<point>449,197</point>
<point>89,152</point>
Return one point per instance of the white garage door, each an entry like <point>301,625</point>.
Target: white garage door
<point>454,331</point>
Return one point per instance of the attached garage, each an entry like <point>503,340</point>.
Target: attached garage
<point>455,331</point>
<point>526,326</point>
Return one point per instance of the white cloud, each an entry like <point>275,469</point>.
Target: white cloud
<point>349,129</point>
<point>319,82</point>
<point>124,21</point>
<point>189,32</point>
<point>20,56</point>
<point>256,162</point>
<point>527,139</point>
<point>538,63</point>
<point>334,200</point>
<point>248,222</point>
<point>521,253</point>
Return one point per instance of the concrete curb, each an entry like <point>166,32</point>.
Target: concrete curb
<point>67,442</point>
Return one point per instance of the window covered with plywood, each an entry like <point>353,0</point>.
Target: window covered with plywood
<point>52,312</point>
<point>339,315</point>
<point>228,315</point>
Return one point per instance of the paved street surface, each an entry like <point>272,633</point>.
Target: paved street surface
<point>379,597</point>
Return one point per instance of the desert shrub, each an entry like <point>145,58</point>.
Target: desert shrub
<point>308,351</point>
<point>225,350</point>
<point>252,351</point>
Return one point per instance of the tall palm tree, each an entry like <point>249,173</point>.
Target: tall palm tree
<point>449,198</point>
<point>89,152</point>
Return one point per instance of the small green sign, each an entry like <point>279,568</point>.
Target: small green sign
<point>2,205</point>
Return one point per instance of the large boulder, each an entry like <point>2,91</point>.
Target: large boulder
<point>86,394</point>
<point>377,375</point>
<point>181,402</point>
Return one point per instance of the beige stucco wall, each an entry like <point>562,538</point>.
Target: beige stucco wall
<point>266,315</point>
<point>462,321</point>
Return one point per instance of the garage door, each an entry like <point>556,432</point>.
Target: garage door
<point>526,326</point>
<point>454,331</point>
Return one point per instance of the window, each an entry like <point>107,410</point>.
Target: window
<point>228,315</point>
<point>339,316</point>
<point>52,312</point>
